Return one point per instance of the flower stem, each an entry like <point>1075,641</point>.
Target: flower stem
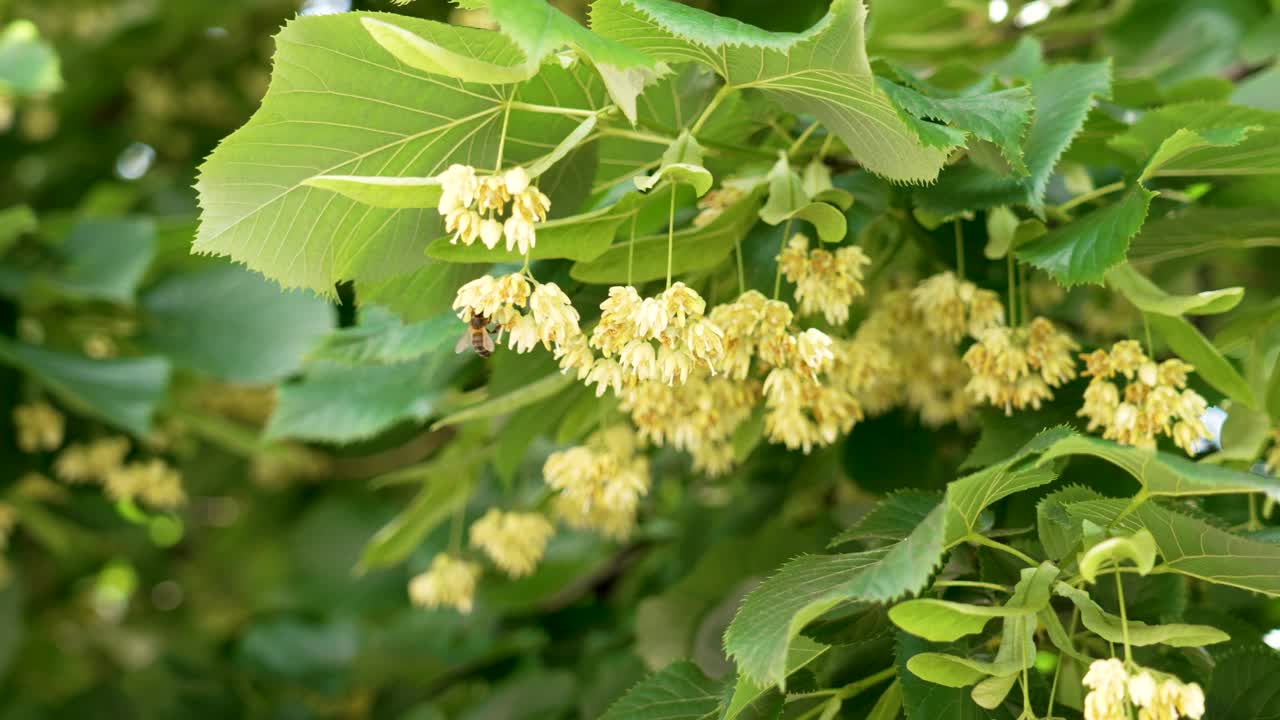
<point>1013,293</point>
<point>631,248</point>
<point>502,139</point>
<point>1091,195</point>
<point>777,278</point>
<point>799,141</point>
<point>671,232</point>
<point>971,584</point>
<point>959,249</point>
<point>1124,620</point>
<point>742,281</point>
<point>455,530</point>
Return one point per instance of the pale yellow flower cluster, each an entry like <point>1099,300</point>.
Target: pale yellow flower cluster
<point>514,541</point>
<point>153,481</point>
<point>1016,368</point>
<point>550,318</point>
<point>94,462</point>
<point>666,338</point>
<point>1155,399</point>
<point>711,205</point>
<point>39,427</point>
<point>449,582</point>
<point>600,483</point>
<point>698,417</point>
<point>804,409</point>
<point>472,207</point>
<point>950,308</point>
<point>924,371</point>
<point>1113,688</point>
<point>826,282</point>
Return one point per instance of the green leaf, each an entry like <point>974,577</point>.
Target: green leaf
<point>582,237</point>
<point>424,293</point>
<point>1084,250</point>
<point>775,612</point>
<point>539,29</point>
<point>379,338</point>
<point>681,163</point>
<point>1160,473</point>
<point>1148,297</point>
<point>123,392</point>
<point>105,259</point>
<point>1185,141</point>
<point>802,652</point>
<point>528,394</point>
<point>1244,325</point>
<point>1000,117</point>
<point>28,64</point>
<point>1062,95</point>
<point>945,621</point>
<point>1198,230</point>
<point>1060,534</point>
<point>990,693</point>
<point>667,625</point>
<point>693,248</point>
<point>420,53</point>
<point>788,200</point>
<point>447,482</point>
<point>823,71</point>
<point>889,706</point>
<point>971,494</point>
<point>15,222</point>
<point>1185,340</point>
<point>1243,684</point>
<point>1216,124</point>
<point>949,670</point>
<point>1191,546</point>
<point>233,324</point>
<point>1109,627</point>
<point>1106,555</point>
<point>892,519</point>
<point>365,115</point>
<point>923,700</point>
<point>678,692</point>
<point>321,407</point>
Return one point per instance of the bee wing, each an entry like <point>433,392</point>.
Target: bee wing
<point>464,343</point>
<point>487,342</point>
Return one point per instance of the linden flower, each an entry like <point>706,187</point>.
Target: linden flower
<point>826,282</point>
<point>1154,400</point>
<point>1015,368</point>
<point>514,541</point>
<point>604,474</point>
<point>950,307</point>
<point>472,206</point>
<point>39,427</point>
<point>614,524</point>
<point>699,417</point>
<point>153,482</point>
<point>498,300</point>
<point>554,315</point>
<point>450,582</point>
<point>1108,680</point>
<point>674,319</point>
<point>93,462</point>
<point>458,188</point>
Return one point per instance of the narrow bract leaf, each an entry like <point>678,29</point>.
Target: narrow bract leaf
<point>441,495</point>
<point>1148,296</point>
<point>382,192</point>
<point>1140,548</point>
<point>1109,627</point>
<point>1187,341</point>
<point>1200,229</point>
<point>421,54</point>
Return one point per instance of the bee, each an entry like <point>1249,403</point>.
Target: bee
<point>476,337</point>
